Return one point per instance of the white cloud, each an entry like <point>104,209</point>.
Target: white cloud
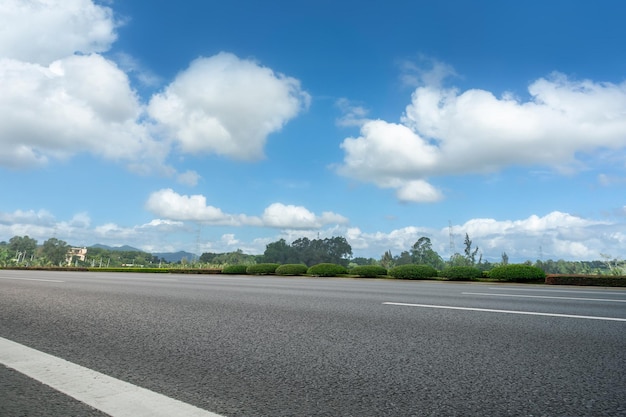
<point>171,205</point>
<point>227,105</point>
<point>31,217</point>
<point>189,178</point>
<point>43,31</point>
<point>60,97</point>
<point>76,104</point>
<point>297,217</point>
<point>445,132</point>
<point>556,235</point>
<point>229,239</point>
<point>168,204</point>
<point>353,114</point>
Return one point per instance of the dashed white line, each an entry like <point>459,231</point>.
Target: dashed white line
<point>545,296</point>
<point>109,395</point>
<point>488,310</point>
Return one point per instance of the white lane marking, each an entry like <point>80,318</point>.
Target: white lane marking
<point>109,395</point>
<point>551,290</point>
<point>488,310</point>
<point>545,296</point>
<point>32,279</point>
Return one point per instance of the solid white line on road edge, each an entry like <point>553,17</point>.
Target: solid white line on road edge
<point>488,310</point>
<point>32,279</point>
<point>545,296</point>
<point>109,395</point>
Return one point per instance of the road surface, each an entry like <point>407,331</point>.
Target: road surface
<point>274,346</point>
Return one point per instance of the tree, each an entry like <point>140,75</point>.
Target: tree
<point>55,251</point>
<point>338,250</point>
<point>470,254</point>
<point>505,258</point>
<point>459,260</point>
<point>422,253</point>
<point>335,250</point>
<point>22,247</point>
<point>405,258</point>
<point>278,252</point>
<point>364,261</point>
<point>387,260</point>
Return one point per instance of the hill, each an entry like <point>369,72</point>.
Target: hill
<point>175,256</point>
<point>124,248</point>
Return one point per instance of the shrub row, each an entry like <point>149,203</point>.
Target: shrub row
<point>461,273</point>
<point>368,271</point>
<point>291,269</point>
<point>605,281</point>
<point>413,272</point>
<point>235,269</point>
<point>327,270</point>
<point>517,273</point>
<point>262,269</point>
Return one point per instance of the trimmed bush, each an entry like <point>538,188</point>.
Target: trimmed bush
<point>368,271</point>
<point>194,271</point>
<point>461,273</point>
<point>235,269</point>
<point>291,269</point>
<point>262,269</point>
<point>600,280</point>
<point>412,271</point>
<point>517,273</point>
<point>327,270</point>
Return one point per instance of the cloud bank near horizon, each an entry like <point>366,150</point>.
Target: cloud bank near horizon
<point>556,235</point>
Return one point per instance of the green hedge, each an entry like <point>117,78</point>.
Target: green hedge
<point>517,273</point>
<point>603,280</point>
<point>412,271</point>
<point>461,273</point>
<point>368,271</point>
<point>262,269</point>
<point>327,270</point>
<point>291,269</point>
<point>45,268</point>
<point>235,269</point>
<point>131,269</point>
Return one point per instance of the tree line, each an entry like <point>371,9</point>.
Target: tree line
<point>25,251</point>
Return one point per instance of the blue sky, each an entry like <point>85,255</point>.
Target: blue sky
<point>213,126</point>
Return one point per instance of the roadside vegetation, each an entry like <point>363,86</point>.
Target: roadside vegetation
<point>330,257</point>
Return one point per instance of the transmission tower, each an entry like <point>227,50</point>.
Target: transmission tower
<point>452,248</point>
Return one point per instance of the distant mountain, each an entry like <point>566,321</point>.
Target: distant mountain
<point>124,248</point>
<point>175,256</point>
<point>167,256</point>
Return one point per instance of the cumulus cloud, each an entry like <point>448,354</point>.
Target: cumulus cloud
<point>79,103</point>
<point>171,205</point>
<point>447,132</point>
<point>43,31</point>
<point>168,204</point>
<point>297,217</point>
<point>61,97</point>
<point>227,105</point>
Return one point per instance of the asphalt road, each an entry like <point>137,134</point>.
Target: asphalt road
<point>271,346</point>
